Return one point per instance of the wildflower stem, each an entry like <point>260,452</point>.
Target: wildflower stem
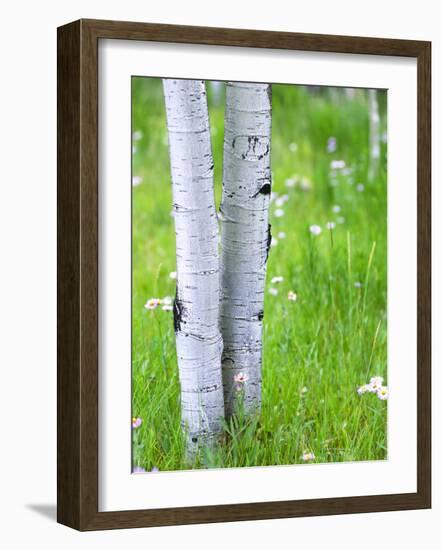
<point>367,276</point>
<point>373,346</point>
<point>160,333</point>
<point>349,275</point>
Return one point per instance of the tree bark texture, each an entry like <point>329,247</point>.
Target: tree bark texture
<point>245,241</point>
<point>196,306</point>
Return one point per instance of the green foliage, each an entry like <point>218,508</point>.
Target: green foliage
<point>318,349</point>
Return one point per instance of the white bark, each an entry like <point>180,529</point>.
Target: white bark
<point>375,138</point>
<point>196,308</point>
<point>245,240</point>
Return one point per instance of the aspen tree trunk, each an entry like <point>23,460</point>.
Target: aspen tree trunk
<point>375,145</point>
<point>245,241</point>
<point>196,307</point>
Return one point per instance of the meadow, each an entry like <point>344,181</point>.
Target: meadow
<point>325,323</point>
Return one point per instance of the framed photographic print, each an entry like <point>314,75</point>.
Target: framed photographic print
<point>243,274</point>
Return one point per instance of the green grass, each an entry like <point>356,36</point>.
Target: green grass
<point>318,349</point>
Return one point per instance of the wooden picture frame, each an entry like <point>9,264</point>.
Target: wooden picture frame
<point>77,461</point>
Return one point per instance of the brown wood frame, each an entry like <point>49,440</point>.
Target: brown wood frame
<point>77,224</point>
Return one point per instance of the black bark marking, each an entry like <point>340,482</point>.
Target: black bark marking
<point>260,315</point>
<point>265,189</point>
<point>269,240</point>
<point>208,389</point>
<point>178,310</point>
<point>250,147</point>
<point>269,93</point>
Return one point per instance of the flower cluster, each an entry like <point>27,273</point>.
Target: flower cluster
<point>316,229</point>
<point>375,386</point>
<point>291,296</point>
<point>302,182</point>
<point>165,302</point>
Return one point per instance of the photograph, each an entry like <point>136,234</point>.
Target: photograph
<point>223,215</point>
<point>259,274</point>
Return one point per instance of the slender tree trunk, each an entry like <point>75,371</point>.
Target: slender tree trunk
<point>196,308</point>
<point>375,138</point>
<point>245,241</point>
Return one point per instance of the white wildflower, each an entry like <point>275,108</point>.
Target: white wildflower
<point>279,212</point>
<point>273,291</point>
<point>305,184</point>
<point>308,456</point>
<point>281,200</point>
<point>376,382</point>
<point>382,393</point>
<point>152,303</point>
<point>337,164</point>
<point>331,144</point>
<point>315,229</point>
<point>290,182</point>
<point>363,389</point>
<point>240,378</point>
<point>292,296</point>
